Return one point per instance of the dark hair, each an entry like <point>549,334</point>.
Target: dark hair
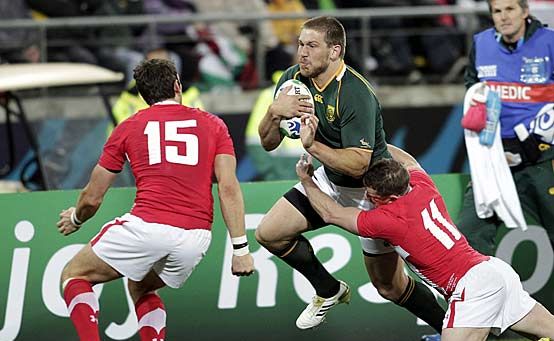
<point>387,177</point>
<point>155,79</point>
<point>333,29</point>
<point>522,3</point>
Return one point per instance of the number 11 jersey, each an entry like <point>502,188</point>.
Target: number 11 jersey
<point>171,150</point>
<point>420,229</point>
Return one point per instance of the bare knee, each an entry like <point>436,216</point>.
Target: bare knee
<point>268,238</point>
<point>388,291</point>
<point>69,272</point>
<point>136,292</point>
<point>65,276</point>
<point>387,275</point>
<point>260,236</point>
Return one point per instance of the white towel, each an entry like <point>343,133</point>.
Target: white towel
<point>493,185</point>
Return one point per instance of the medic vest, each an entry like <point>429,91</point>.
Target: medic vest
<point>523,77</point>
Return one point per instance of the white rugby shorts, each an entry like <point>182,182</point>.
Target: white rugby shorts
<point>490,294</point>
<point>133,247</point>
<point>349,197</point>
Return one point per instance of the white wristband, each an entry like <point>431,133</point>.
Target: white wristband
<point>240,246</point>
<point>239,240</point>
<point>73,218</point>
<point>241,252</point>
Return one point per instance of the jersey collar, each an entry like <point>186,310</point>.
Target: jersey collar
<point>167,102</point>
<point>338,75</point>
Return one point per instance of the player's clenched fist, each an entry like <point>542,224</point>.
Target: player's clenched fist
<point>65,225</point>
<point>243,265</point>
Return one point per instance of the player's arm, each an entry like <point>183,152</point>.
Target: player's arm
<point>283,107</point>
<point>404,158</point>
<point>350,161</point>
<point>232,209</point>
<point>89,201</point>
<point>329,210</point>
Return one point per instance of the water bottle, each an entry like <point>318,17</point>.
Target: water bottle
<point>486,136</point>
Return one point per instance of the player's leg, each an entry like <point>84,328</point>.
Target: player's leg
<point>280,233</point>
<point>539,322</point>
<point>83,271</point>
<point>465,334</point>
<point>182,251</point>
<point>480,233</point>
<point>386,271</point>
<point>149,307</point>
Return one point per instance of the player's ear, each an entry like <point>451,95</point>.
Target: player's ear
<point>392,198</point>
<point>336,52</point>
<point>177,87</point>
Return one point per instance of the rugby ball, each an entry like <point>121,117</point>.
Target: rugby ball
<point>291,127</point>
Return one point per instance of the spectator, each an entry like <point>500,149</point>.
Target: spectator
<point>243,38</point>
<point>17,45</point>
<point>399,52</point>
<point>64,44</point>
<point>287,30</point>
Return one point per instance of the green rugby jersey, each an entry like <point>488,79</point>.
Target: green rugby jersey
<point>349,116</point>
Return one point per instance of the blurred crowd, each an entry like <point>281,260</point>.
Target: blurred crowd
<point>223,54</point>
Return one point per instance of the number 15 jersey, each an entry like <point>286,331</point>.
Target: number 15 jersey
<point>420,229</point>
<point>171,150</point>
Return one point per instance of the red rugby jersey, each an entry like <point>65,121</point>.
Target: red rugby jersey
<point>419,227</point>
<point>171,149</point>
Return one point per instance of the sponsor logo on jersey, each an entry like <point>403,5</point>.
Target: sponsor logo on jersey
<point>318,98</point>
<point>486,71</point>
<point>364,143</point>
<point>330,113</point>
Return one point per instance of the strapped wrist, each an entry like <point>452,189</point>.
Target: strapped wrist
<point>74,220</point>
<point>240,246</point>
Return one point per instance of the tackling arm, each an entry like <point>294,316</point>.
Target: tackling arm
<point>404,158</point>
<point>330,211</point>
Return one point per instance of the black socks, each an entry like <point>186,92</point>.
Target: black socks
<point>301,257</point>
<point>420,301</point>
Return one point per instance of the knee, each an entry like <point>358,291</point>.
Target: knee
<point>65,276</point>
<point>263,236</point>
<point>135,292</point>
<point>388,291</point>
<point>271,239</point>
<point>69,273</point>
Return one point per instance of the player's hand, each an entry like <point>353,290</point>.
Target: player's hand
<point>308,128</point>
<point>65,226</point>
<point>242,265</point>
<point>288,106</point>
<point>304,167</point>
